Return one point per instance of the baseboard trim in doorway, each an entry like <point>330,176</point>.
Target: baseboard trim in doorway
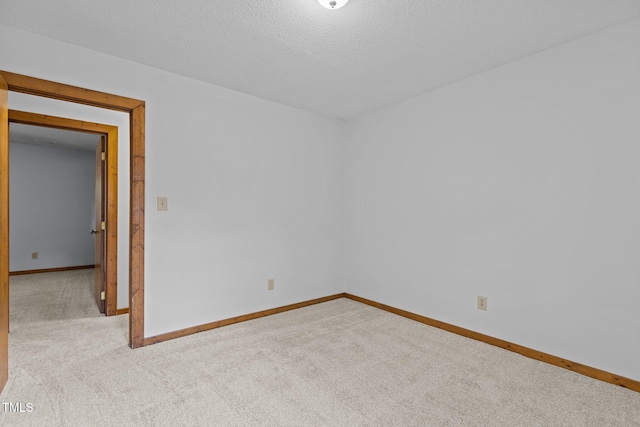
<point>51,270</point>
<point>524,351</point>
<point>122,311</point>
<point>226,322</point>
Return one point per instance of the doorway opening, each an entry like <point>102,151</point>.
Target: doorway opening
<point>99,143</point>
<point>136,110</point>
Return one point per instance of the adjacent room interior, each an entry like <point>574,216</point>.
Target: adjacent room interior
<point>52,198</point>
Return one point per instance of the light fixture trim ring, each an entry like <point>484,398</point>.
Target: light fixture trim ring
<point>332,4</point>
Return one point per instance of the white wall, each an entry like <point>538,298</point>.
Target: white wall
<point>254,188</point>
<point>52,203</point>
<point>521,184</point>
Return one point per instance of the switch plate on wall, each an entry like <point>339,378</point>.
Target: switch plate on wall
<point>163,203</point>
<point>270,284</point>
<point>34,255</point>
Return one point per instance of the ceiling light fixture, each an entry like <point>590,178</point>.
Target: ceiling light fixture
<point>333,4</point>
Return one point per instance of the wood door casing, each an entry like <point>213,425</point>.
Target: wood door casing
<point>135,108</point>
<point>99,234</point>
<point>4,235</point>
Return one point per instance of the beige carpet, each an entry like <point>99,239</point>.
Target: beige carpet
<point>52,296</point>
<point>339,363</point>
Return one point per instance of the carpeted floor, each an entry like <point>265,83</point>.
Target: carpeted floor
<point>43,297</point>
<point>339,363</point>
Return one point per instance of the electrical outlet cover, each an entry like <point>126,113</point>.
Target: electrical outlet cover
<point>482,303</point>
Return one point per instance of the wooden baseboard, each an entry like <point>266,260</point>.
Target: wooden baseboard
<point>213,325</point>
<point>122,311</point>
<point>51,270</point>
<point>516,348</point>
<point>524,351</point>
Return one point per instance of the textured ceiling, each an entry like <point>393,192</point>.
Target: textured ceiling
<point>38,135</point>
<point>339,63</point>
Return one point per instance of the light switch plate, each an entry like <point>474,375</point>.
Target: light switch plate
<point>163,203</point>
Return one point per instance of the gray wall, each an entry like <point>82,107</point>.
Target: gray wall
<point>51,207</point>
<point>520,184</point>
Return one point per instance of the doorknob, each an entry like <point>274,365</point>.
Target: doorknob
<point>93,231</point>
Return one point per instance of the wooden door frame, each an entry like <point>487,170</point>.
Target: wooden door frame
<point>4,234</point>
<point>111,132</point>
<point>136,110</point>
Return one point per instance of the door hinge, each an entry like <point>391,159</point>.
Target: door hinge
<point>103,155</point>
<point>103,226</point>
<point>103,296</point>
